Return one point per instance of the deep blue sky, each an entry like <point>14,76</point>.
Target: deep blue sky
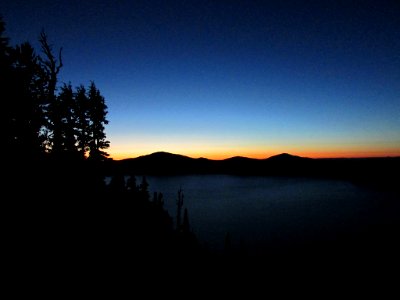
<point>225,78</point>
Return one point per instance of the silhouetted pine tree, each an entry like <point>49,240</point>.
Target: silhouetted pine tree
<point>144,189</point>
<point>21,88</point>
<point>50,67</point>
<point>132,188</point>
<point>37,120</point>
<point>131,183</point>
<point>63,124</point>
<point>117,184</point>
<point>97,114</point>
<point>82,120</point>
<point>158,200</point>
<point>6,90</point>
<point>25,110</point>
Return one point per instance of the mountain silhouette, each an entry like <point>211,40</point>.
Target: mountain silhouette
<point>370,171</point>
<point>286,157</point>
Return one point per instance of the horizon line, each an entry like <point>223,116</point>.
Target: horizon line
<point>259,158</point>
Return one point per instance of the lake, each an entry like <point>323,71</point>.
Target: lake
<point>272,209</point>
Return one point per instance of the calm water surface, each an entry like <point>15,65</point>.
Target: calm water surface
<point>255,209</point>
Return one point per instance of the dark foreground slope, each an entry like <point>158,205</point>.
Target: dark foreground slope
<point>61,221</point>
<point>63,225</point>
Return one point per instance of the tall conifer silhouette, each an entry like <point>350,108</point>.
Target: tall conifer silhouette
<point>97,114</point>
<point>82,120</point>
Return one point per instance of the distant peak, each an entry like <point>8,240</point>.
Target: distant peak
<point>163,154</point>
<point>160,153</point>
<point>285,156</point>
<point>236,158</point>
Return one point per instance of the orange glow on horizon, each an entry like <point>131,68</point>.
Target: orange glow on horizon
<point>218,149</point>
<point>265,154</point>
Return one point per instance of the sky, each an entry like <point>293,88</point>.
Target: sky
<point>218,79</point>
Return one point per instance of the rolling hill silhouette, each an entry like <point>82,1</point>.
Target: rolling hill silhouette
<point>371,171</point>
